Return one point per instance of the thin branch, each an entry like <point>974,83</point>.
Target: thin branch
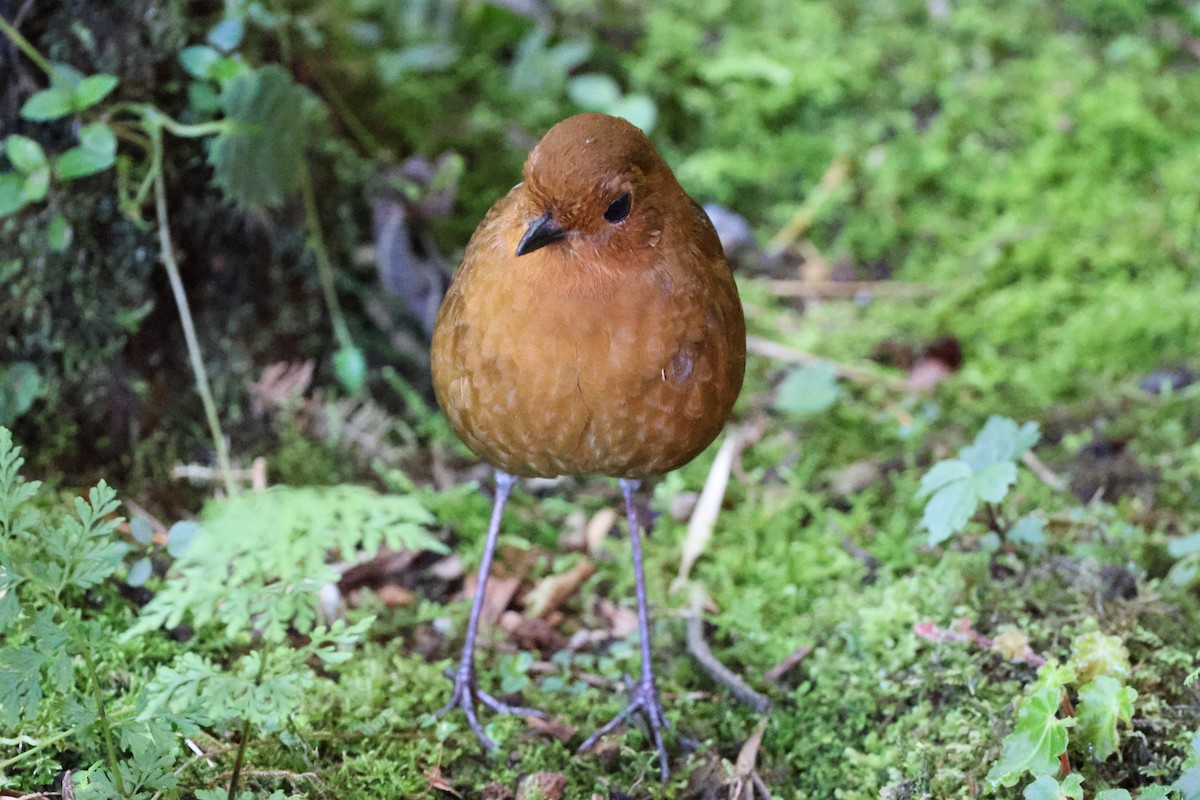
<point>860,375</point>
<point>720,673</point>
<point>185,314</point>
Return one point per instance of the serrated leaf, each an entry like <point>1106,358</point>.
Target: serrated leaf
<point>808,390</point>
<point>92,90</point>
<point>1102,704</point>
<point>47,104</point>
<point>25,154</point>
<point>948,511</point>
<point>1038,738</point>
<point>198,60</point>
<point>20,684</point>
<point>593,91</point>
<point>1154,791</point>
<point>941,474</point>
<point>258,160</point>
<point>1000,440</point>
<point>227,34</point>
<point>1029,529</point>
<point>1118,794</point>
<point>12,200</point>
<point>1096,653</point>
<point>1046,788</point>
<point>991,483</point>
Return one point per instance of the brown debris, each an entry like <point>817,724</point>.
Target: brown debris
<point>542,786</point>
<point>553,590</point>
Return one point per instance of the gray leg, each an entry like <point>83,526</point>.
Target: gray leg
<point>645,695</point>
<point>465,691</point>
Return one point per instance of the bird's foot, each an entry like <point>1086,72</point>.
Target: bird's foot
<point>466,692</point>
<point>644,700</point>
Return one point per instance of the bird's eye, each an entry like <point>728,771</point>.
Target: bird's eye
<point>618,209</point>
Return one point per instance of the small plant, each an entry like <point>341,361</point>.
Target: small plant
<point>1049,728</point>
<point>980,477</point>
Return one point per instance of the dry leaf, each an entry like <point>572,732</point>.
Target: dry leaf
<point>598,528</point>
<point>553,590</point>
<point>554,728</point>
<point>620,621</point>
<point>542,786</point>
<point>436,781</point>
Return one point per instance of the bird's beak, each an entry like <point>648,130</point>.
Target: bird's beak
<point>541,232</point>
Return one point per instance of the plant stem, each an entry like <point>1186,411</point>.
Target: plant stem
<point>110,749</point>
<point>245,737</point>
<point>8,762</point>
<point>28,49</point>
<point>181,303</point>
<point>316,240</point>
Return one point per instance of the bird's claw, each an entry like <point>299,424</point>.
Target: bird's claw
<point>466,692</point>
<point>644,699</point>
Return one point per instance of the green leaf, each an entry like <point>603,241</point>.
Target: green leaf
<point>1029,529</point>
<point>20,684</point>
<point>12,200</point>
<point>1188,783</point>
<point>1000,440</point>
<point>1102,704</point>
<point>92,90</point>
<point>808,390</point>
<point>637,109</point>
<point>258,160</point>
<point>180,536</point>
<point>1046,788</point>
<point>25,154</point>
<point>227,34</point>
<point>96,152</point>
<point>350,367</point>
<point>1120,794</point>
<point>593,91</point>
<point>139,572</point>
<point>991,484</point>
<point>47,104</point>
<point>1184,546</point>
<point>21,385</point>
<point>59,235</point>
<point>1037,741</point>
<point>36,185</point>
<point>1097,653</point>
<point>141,530</point>
<point>1154,791</point>
<point>198,60</point>
<point>98,138</point>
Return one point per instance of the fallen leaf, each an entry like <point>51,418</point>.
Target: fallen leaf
<point>554,728</point>
<point>436,781</point>
<point>553,590</point>
<point>395,596</point>
<point>598,528</point>
<point>620,621</point>
<point>542,786</point>
<point>788,664</point>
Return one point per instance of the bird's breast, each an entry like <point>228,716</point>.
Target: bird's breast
<point>626,373</point>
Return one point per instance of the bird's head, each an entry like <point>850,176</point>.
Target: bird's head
<point>595,182</point>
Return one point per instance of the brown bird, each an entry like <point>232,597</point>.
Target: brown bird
<point>593,327</point>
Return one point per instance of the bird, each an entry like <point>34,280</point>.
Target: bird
<point>593,327</point>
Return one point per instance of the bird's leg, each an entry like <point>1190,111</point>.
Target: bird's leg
<point>645,694</point>
<point>465,691</point>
